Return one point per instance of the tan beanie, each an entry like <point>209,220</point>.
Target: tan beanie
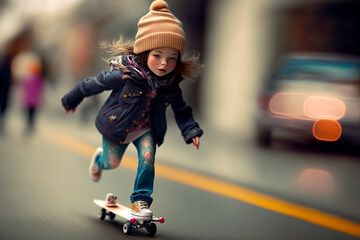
<point>159,28</point>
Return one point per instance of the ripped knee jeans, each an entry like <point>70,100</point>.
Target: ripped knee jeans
<point>144,180</point>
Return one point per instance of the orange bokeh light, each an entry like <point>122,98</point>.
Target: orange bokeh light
<point>327,130</point>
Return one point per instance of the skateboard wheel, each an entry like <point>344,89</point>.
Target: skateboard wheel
<point>133,220</point>
<point>102,213</point>
<point>151,229</point>
<point>127,228</point>
<point>112,215</point>
<point>161,220</point>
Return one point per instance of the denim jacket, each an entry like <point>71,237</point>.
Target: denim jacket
<point>124,106</point>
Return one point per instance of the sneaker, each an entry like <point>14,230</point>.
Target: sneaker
<point>94,170</point>
<point>110,200</point>
<point>140,210</point>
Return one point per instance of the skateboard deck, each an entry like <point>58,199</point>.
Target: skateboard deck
<point>125,212</point>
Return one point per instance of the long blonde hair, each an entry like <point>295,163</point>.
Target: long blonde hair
<point>188,66</point>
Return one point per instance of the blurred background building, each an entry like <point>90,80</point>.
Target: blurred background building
<point>239,42</point>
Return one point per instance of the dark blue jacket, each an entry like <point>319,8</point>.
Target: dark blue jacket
<point>124,106</point>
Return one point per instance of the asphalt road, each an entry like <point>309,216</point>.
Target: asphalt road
<point>46,192</point>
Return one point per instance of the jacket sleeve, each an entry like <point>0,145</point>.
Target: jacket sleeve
<point>184,117</point>
<point>106,80</point>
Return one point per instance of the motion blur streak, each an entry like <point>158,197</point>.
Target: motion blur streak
<point>222,188</point>
<point>288,103</point>
<point>324,108</point>
<point>301,105</point>
<point>327,130</point>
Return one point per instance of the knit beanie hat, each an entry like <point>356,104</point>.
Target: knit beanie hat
<point>159,28</point>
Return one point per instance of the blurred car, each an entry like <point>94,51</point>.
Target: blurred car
<point>311,95</point>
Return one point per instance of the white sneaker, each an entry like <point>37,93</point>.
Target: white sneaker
<point>110,200</point>
<point>140,210</point>
<point>94,170</point>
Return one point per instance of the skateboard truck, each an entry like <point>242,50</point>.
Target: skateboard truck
<point>160,220</point>
<point>133,223</point>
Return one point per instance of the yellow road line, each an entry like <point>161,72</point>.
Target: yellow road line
<point>225,189</point>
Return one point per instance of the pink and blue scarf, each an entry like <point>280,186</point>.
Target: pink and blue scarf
<point>152,80</point>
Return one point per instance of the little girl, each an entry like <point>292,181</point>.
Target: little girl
<point>144,79</point>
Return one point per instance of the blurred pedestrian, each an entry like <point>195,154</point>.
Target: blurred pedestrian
<point>5,83</point>
<point>144,79</point>
<point>32,94</point>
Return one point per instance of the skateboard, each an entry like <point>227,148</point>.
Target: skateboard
<point>125,212</point>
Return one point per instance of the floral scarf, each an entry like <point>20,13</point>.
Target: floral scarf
<point>153,81</point>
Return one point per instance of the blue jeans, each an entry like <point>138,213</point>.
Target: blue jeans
<point>146,148</point>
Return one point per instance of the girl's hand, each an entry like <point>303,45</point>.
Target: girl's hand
<point>69,111</point>
<point>196,142</point>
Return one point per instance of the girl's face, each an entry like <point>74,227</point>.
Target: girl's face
<point>162,61</point>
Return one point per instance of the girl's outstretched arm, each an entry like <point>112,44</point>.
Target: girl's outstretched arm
<point>91,86</point>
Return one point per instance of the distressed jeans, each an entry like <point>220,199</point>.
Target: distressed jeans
<point>146,148</point>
